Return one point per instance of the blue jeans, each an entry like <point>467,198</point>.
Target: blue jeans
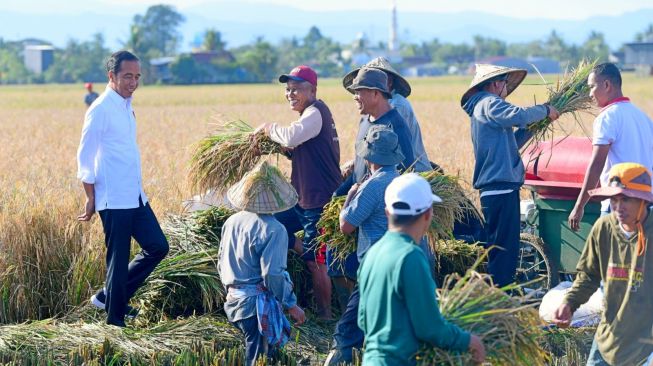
<point>124,277</point>
<point>501,213</point>
<point>297,219</point>
<point>346,268</point>
<point>255,343</point>
<point>347,334</point>
<point>595,358</point>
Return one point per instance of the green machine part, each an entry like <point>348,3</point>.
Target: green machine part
<point>564,245</point>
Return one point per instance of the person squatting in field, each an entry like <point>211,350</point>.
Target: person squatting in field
<point>616,255</point>
<point>499,171</point>
<point>312,145</point>
<point>252,263</point>
<point>109,166</point>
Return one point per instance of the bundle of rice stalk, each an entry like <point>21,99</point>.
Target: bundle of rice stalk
<point>196,230</point>
<point>454,206</point>
<point>182,284</point>
<point>570,95</point>
<point>340,244</point>
<point>455,256</point>
<point>59,338</point>
<point>509,326</point>
<point>223,158</point>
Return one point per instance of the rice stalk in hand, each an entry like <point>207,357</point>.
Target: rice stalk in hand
<point>570,95</point>
<point>509,326</point>
<point>223,158</point>
<point>340,244</point>
<point>454,206</point>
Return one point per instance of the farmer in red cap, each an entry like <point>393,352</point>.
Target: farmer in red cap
<point>616,253</point>
<point>91,96</point>
<point>312,145</point>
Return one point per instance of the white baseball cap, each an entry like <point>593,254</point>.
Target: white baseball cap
<point>413,192</point>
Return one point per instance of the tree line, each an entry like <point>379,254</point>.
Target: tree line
<point>155,34</point>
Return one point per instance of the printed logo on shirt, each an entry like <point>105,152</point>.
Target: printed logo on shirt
<point>621,272</point>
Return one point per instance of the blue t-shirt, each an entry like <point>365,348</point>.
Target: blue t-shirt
<point>396,122</point>
<point>367,209</point>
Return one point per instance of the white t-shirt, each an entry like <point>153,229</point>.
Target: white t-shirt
<point>628,131</point>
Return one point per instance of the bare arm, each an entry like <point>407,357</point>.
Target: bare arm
<point>89,210</point>
<point>599,155</point>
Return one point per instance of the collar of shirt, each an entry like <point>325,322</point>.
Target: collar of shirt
<point>118,99</point>
<point>615,101</point>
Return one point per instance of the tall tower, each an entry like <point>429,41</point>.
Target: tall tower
<point>393,44</point>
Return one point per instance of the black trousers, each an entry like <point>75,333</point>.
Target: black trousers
<point>501,213</point>
<point>124,277</point>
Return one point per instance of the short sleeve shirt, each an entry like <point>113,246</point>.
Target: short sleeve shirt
<point>367,209</point>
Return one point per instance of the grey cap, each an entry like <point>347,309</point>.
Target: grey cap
<point>380,146</point>
<point>369,78</point>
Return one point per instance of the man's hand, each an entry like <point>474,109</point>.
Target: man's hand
<point>347,169</point>
<point>477,349</point>
<point>553,113</point>
<point>562,316</point>
<point>89,210</point>
<point>575,216</point>
<point>297,315</point>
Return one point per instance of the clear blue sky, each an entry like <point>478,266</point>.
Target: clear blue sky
<point>554,9</point>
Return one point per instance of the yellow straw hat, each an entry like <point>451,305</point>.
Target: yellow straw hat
<point>263,190</point>
<point>485,72</point>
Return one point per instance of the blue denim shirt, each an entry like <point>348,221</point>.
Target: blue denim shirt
<point>253,250</point>
<point>367,209</point>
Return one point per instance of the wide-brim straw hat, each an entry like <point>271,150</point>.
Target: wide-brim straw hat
<point>380,146</point>
<point>485,72</point>
<point>399,84</point>
<point>629,179</point>
<point>263,190</point>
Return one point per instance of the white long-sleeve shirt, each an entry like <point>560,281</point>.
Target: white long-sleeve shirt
<point>108,156</point>
<point>300,131</point>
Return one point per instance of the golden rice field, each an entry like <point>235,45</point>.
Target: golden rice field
<point>50,263</point>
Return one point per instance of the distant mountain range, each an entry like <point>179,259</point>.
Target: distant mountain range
<point>240,22</point>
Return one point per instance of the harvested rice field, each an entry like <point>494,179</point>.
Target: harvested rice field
<point>50,264</point>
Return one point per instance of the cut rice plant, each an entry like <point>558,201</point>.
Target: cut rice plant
<point>454,206</point>
<point>570,346</point>
<point>570,95</point>
<point>509,326</point>
<point>223,158</point>
<point>339,243</point>
<point>196,230</point>
<point>183,284</point>
<point>455,256</point>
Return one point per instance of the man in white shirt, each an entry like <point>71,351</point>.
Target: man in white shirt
<point>621,133</point>
<point>109,166</point>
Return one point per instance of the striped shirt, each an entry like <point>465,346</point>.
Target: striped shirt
<point>366,211</point>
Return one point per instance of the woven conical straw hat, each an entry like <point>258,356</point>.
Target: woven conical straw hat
<point>485,72</point>
<point>263,190</point>
<point>400,85</point>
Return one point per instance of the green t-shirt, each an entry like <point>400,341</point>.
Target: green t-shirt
<point>398,310</point>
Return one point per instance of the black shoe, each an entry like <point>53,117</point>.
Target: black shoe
<point>99,299</point>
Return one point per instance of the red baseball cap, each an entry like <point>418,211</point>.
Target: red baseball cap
<point>300,73</point>
<point>88,85</point>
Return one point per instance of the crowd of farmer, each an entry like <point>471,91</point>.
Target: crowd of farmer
<point>386,288</point>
